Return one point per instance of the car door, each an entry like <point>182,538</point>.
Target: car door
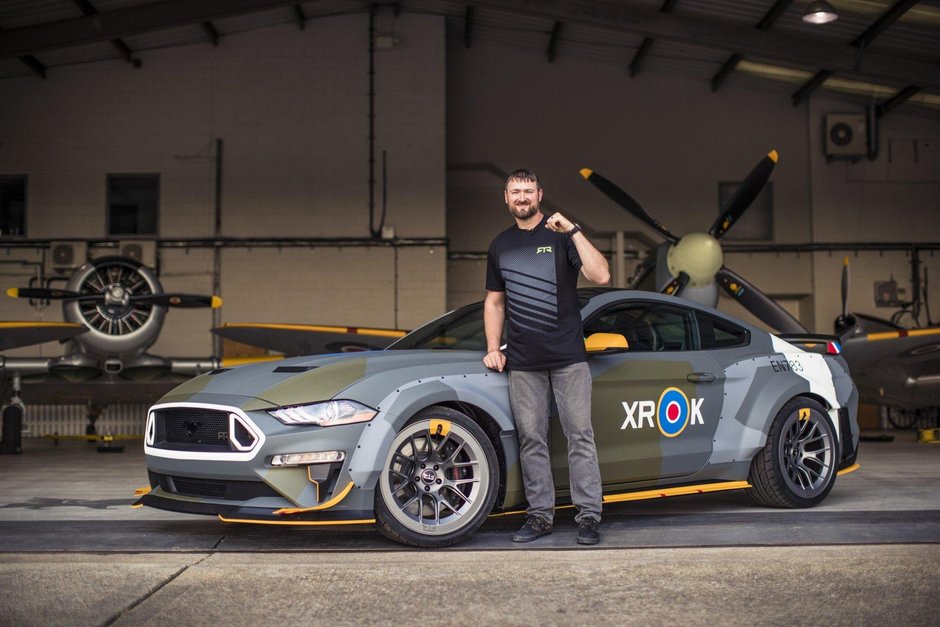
<point>656,406</point>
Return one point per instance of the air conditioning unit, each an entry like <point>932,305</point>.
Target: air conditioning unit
<point>64,257</point>
<point>144,251</point>
<point>846,135</point>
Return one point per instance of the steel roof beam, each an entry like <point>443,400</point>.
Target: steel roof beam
<point>553,42</point>
<point>764,25</point>
<point>122,22</point>
<point>887,19</point>
<point>301,18</point>
<point>748,41</point>
<point>810,86</point>
<point>897,100</point>
<point>467,26</point>
<point>211,32</point>
<point>647,42</point>
<point>87,8</point>
<point>34,64</point>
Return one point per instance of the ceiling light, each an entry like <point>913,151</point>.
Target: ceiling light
<point>820,12</point>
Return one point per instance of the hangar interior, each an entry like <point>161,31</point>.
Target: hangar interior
<point>342,162</point>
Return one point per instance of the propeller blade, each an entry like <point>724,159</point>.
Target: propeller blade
<point>675,287</point>
<point>39,293</point>
<point>626,201</point>
<point>758,303</point>
<point>845,286</point>
<point>642,272</point>
<point>178,300</point>
<point>744,195</point>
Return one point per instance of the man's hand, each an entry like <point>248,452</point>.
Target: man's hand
<point>559,223</point>
<point>495,360</point>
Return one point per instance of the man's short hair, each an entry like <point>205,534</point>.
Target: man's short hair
<point>523,175</point>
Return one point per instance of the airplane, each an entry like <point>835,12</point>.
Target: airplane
<point>892,366</point>
<point>114,308</point>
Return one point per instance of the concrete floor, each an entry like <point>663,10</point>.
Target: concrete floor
<point>73,552</point>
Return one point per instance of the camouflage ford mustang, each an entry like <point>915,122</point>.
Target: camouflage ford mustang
<point>419,438</point>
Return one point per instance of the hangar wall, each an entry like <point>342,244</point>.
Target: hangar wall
<point>668,140</point>
<point>291,107</point>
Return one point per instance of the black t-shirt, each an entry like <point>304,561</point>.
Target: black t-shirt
<point>538,271</point>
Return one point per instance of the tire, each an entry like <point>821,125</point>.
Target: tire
<point>797,467</point>
<point>439,480</point>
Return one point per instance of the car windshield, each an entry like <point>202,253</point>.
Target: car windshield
<point>461,329</point>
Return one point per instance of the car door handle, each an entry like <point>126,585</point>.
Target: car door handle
<point>701,377</point>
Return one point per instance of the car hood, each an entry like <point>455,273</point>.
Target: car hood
<point>321,377</point>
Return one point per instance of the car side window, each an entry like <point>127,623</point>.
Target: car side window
<point>715,332</point>
<point>648,327</point>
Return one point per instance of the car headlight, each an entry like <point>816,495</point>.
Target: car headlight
<point>325,414</point>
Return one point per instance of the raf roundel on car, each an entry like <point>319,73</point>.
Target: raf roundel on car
<point>419,440</point>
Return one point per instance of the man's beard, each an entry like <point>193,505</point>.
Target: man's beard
<point>525,211</point>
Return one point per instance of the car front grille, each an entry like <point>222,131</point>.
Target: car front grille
<point>217,489</point>
<point>192,428</point>
<point>199,487</point>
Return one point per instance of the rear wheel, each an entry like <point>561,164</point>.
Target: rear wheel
<point>439,480</point>
<point>797,467</point>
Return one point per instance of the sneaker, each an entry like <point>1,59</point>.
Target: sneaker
<point>587,531</point>
<point>533,529</point>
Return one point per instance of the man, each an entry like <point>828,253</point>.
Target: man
<point>532,277</point>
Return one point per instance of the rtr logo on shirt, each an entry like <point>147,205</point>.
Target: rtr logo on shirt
<point>543,249</point>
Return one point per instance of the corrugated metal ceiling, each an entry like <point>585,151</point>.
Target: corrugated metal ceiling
<point>915,36</point>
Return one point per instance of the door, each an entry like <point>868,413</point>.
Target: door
<point>656,406</point>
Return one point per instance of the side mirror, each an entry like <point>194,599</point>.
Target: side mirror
<point>606,343</point>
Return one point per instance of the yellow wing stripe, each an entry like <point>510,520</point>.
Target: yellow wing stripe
<point>33,325</point>
<point>317,328</point>
<point>232,362</point>
<point>890,335</point>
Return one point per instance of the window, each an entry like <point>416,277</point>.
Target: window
<point>757,223</point>
<point>12,206</point>
<point>647,326</point>
<point>717,333</point>
<point>132,204</point>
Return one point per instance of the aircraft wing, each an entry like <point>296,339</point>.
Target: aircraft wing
<point>308,339</point>
<point>900,368</point>
<point>17,334</point>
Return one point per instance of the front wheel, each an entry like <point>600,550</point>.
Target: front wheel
<point>439,480</point>
<point>797,467</point>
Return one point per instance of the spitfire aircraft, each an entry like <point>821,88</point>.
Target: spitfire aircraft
<point>892,366</point>
<point>114,308</point>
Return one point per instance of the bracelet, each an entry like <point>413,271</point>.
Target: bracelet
<point>575,230</point>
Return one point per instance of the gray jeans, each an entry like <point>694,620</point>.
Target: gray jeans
<point>531,407</point>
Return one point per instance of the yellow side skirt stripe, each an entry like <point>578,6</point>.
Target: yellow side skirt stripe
<point>308,523</point>
<point>666,492</point>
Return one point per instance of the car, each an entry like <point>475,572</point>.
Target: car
<point>419,439</point>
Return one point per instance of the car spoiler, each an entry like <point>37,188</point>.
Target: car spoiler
<point>814,342</point>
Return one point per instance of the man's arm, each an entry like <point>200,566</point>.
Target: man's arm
<point>494,315</point>
<point>593,263</point>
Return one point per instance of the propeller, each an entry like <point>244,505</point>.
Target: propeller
<point>695,261</point>
<point>116,294</point>
<point>845,322</point>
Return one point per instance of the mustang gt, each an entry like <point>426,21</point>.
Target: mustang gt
<point>419,439</point>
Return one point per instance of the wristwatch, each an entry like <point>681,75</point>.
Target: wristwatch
<point>574,230</point>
